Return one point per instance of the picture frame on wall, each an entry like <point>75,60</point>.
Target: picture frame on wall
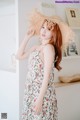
<point>71,49</point>
<point>73,17</point>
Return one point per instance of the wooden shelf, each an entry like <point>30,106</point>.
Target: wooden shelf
<point>61,84</point>
<point>71,57</point>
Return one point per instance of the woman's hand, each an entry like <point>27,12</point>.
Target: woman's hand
<point>38,106</point>
<point>30,32</point>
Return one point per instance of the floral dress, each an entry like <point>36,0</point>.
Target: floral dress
<point>33,83</point>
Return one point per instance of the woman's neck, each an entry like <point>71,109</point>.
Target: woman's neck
<point>44,42</point>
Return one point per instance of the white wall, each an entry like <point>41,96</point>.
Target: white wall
<point>7,35</point>
<point>68,98</point>
<point>9,84</point>
<point>9,95</point>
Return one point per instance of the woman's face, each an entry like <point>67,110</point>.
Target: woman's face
<point>45,32</point>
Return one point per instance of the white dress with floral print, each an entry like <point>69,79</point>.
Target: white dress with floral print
<point>33,83</point>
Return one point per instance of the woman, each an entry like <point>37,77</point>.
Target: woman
<point>40,101</point>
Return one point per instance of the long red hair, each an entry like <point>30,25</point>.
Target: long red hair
<point>56,41</point>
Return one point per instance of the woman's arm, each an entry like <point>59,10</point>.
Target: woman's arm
<point>21,53</point>
<point>48,63</point>
<point>26,53</point>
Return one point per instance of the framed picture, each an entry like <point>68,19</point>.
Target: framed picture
<point>73,17</point>
<point>71,49</point>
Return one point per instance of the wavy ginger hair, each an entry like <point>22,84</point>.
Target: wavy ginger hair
<point>56,41</point>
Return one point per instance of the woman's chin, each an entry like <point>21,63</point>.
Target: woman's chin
<point>42,38</point>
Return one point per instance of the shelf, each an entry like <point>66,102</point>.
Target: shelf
<point>75,28</point>
<point>61,84</point>
<point>71,57</point>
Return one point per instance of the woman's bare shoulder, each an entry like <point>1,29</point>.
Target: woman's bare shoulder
<point>49,51</point>
<point>49,48</point>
